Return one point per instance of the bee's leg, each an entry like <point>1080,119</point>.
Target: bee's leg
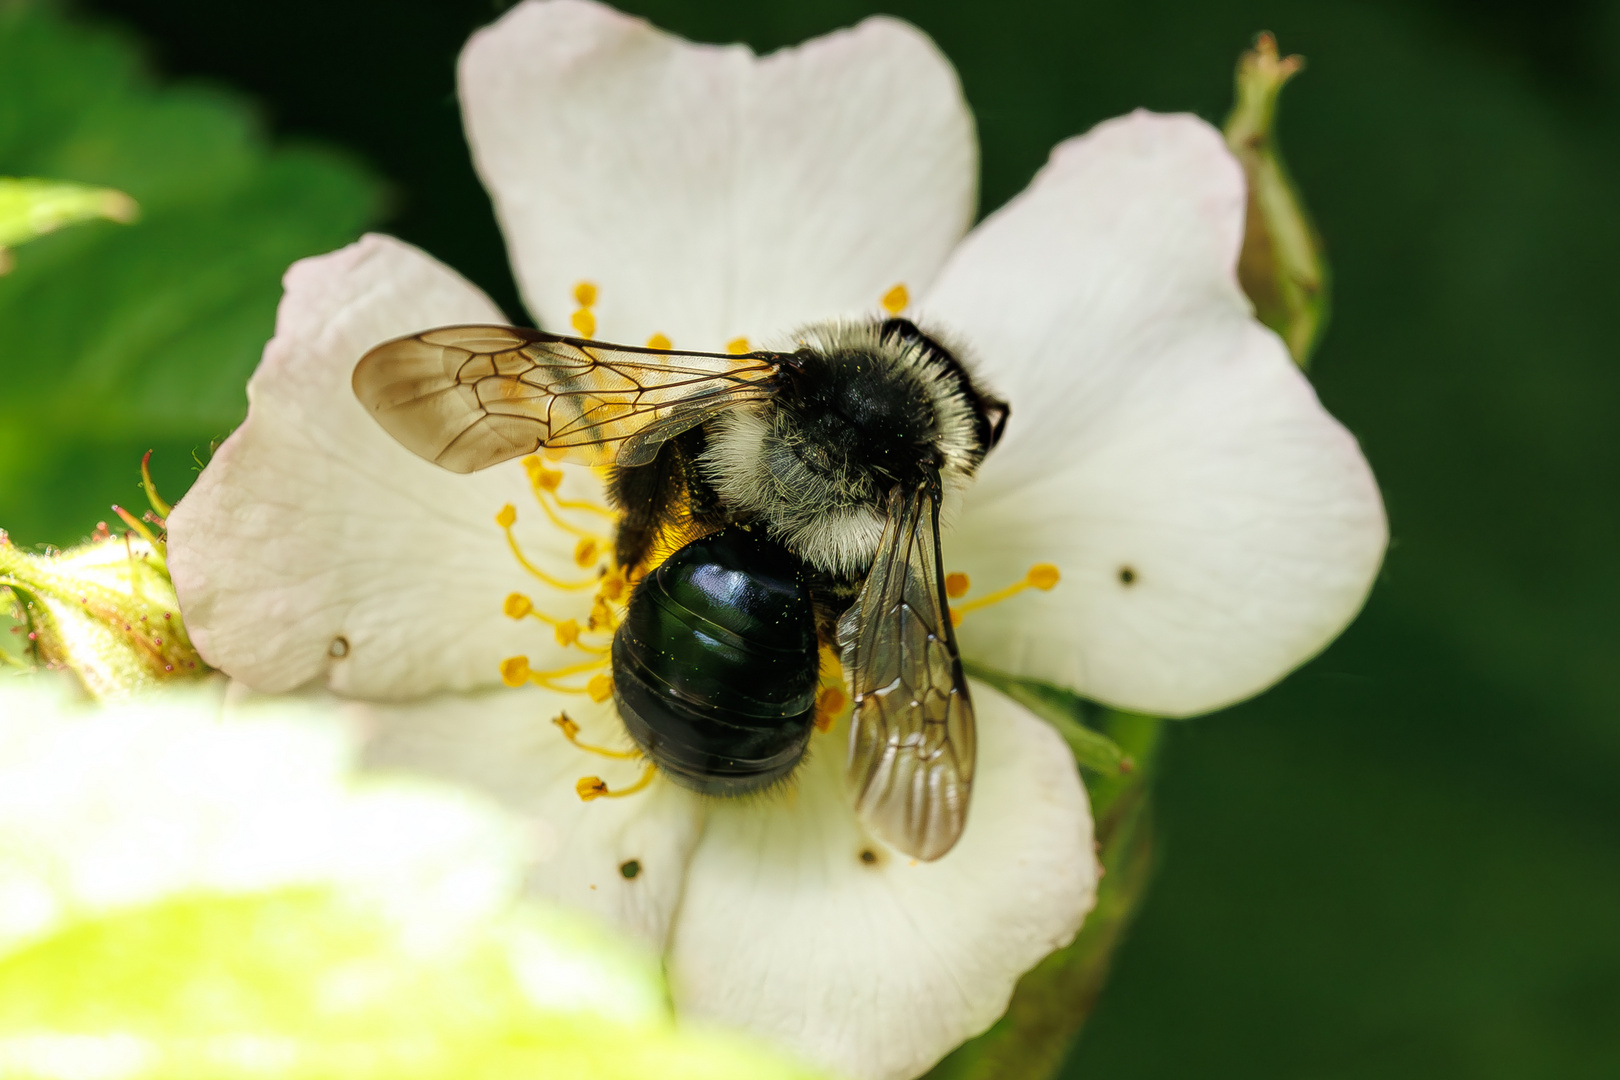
<point>643,495</point>
<point>703,513</point>
<point>830,596</point>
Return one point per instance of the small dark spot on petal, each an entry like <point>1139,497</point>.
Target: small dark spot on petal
<point>1127,575</point>
<point>339,648</point>
<point>630,868</point>
<point>869,857</point>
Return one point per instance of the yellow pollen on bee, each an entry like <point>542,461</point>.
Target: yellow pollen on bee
<point>600,688</point>
<point>658,341</point>
<point>1043,576</point>
<point>585,552</point>
<point>602,617</point>
<point>957,585</point>
<point>583,322</point>
<point>585,294</point>
<point>570,731</point>
<point>737,346</point>
<point>896,299</point>
<point>593,787</point>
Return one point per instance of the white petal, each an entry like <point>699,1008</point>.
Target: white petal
<point>311,524</point>
<point>710,194</point>
<point>877,970</point>
<point>503,742</point>
<point>1214,526</point>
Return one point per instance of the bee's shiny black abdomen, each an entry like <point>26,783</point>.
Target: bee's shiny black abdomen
<point>715,666</point>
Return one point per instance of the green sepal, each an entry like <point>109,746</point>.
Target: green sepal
<point>1067,712</point>
<point>1282,267</point>
<point>1051,1003</point>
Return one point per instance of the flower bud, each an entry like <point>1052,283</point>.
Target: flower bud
<point>106,610</point>
<point>31,208</point>
<point>1282,267</point>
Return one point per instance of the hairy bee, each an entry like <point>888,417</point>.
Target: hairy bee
<point>808,484</point>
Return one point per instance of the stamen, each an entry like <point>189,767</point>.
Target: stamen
<point>592,787</point>
<point>737,346</point>
<point>602,617</point>
<point>585,552</point>
<point>957,585</point>
<point>896,299</point>
<point>584,322</point>
<point>134,523</point>
<point>600,688</point>
<point>658,341</point>
<point>829,703</point>
<point>1041,576</point>
<point>570,732</point>
<point>506,519</point>
<point>614,585</point>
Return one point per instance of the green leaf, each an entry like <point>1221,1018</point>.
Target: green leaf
<point>122,335</point>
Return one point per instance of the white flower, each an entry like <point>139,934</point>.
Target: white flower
<point>181,896</point>
<point>1213,527</point>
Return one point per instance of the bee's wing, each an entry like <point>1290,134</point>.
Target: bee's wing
<point>467,397</point>
<point>911,740</point>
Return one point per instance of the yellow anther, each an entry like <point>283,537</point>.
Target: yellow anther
<point>1040,576</point>
<point>737,346</point>
<point>585,552</point>
<point>570,732</point>
<point>592,787</point>
<point>515,670</point>
<point>896,299</point>
<point>614,585</point>
<point>957,586</point>
<point>829,703</point>
<point>567,632</point>
<point>600,688</point>
<point>585,294</point>
<point>658,341</point>
<point>584,322</point>
<point>540,476</point>
<point>517,605</point>
<point>507,517</point>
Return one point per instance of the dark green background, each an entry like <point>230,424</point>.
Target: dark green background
<point>1405,861</point>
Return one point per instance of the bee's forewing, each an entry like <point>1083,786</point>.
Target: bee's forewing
<point>468,397</point>
<point>912,740</point>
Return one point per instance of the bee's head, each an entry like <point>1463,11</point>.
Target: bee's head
<point>861,409</point>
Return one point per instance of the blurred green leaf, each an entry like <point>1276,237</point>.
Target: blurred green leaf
<point>112,335</point>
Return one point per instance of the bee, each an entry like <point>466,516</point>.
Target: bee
<point>806,487</point>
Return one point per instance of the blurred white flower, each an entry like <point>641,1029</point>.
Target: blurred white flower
<point>190,889</point>
<point>1199,525</point>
